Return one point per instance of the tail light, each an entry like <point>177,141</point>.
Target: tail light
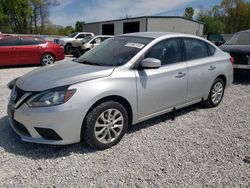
<point>232,60</point>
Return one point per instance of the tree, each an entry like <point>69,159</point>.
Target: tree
<point>17,13</point>
<point>66,31</point>
<point>211,20</point>
<point>189,12</point>
<point>79,26</point>
<point>237,15</point>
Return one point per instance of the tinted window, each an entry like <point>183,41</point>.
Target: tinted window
<point>242,38</point>
<point>81,36</point>
<point>10,42</point>
<point>30,41</point>
<point>211,50</point>
<point>195,49</point>
<point>168,51</point>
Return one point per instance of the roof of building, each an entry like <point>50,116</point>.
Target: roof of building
<point>132,18</point>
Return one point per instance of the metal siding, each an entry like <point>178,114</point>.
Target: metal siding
<point>93,28</point>
<point>174,25</point>
<point>119,25</point>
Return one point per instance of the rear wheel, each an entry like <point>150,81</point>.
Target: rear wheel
<point>67,48</point>
<point>216,93</point>
<point>47,59</point>
<point>105,125</point>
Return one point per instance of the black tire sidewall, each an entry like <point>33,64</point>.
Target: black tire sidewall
<point>88,133</point>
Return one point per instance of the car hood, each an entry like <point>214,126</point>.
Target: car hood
<point>236,48</point>
<point>65,39</point>
<point>61,74</point>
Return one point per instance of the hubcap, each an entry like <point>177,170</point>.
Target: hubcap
<point>109,126</point>
<point>217,92</point>
<point>48,59</point>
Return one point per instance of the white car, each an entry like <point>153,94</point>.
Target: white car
<point>66,41</point>
<point>80,47</point>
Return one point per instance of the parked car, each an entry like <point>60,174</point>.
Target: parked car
<point>16,50</point>
<point>80,47</point>
<point>239,48</point>
<point>216,38</point>
<point>66,41</point>
<point>125,80</point>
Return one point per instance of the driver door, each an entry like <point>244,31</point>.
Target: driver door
<point>160,90</point>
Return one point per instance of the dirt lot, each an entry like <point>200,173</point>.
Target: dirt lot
<point>201,148</point>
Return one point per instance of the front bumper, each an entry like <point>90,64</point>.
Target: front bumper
<point>62,119</point>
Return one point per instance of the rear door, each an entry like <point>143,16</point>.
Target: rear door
<point>163,88</point>
<point>29,51</point>
<point>201,67</point>
<point>8,54</point>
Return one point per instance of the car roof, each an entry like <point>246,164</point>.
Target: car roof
<point>155,35</point>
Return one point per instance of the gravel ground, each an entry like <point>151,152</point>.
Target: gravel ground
<point>200,148</point>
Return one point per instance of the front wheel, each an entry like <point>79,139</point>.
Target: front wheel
<point>216,93</point>
<point>105,125</point>
<point>47,59</point>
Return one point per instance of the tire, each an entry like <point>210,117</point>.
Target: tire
<point>216,93</point>
<point>47,59</point>
<point>99,129</point>
<point>67,48</point>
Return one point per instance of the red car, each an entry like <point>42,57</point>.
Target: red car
<point>16,50</point>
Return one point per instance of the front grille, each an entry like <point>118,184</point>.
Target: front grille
<point>21,128</point>
<point>242,59</point>
<point>49,134</point>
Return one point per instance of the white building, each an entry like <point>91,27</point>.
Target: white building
<point>146,24</point>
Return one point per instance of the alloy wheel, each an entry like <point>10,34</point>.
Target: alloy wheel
<point>217,92</point>
<point>109,126</point>
<point>48,59</point>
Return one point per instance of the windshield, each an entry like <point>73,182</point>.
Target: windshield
<point>72,35</point>
<point>114,51</point>
<point>242,38</point>
<point>87,39</point>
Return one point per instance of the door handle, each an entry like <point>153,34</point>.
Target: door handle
<point>180,74</point>
<point>212,67</point>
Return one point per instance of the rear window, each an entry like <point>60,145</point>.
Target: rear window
<point>10,41</point>
<point>195,48</point>
<point>31,41</point>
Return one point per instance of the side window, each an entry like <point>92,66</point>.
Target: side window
<point>81,36</point>
<point>168,51</point>
<point>10,42</point>
<point>27,41</point>
<point>195,48</point>
<point>211,50</point>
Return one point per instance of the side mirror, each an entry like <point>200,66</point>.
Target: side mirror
<point>151,63</point>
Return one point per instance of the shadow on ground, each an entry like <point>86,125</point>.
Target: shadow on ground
<point>12,143</point>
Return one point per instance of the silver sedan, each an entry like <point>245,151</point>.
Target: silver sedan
<point>125,80</point>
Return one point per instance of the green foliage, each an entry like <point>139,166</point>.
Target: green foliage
<point>229,17</point>
<point>66,31</point>
<point>189,12</point>
<point>79,26</point>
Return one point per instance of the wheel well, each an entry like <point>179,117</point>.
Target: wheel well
<point>118,99</point>
<point>223,77</point>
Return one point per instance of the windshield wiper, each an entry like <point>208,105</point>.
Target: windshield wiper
<point>89,63</point>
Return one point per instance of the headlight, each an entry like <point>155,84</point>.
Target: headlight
<point>51,97</point>
<point>12,83</point>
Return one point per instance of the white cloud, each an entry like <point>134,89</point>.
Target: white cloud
<point>111,9</point>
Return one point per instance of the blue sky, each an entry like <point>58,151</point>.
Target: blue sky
<point>69,11</point>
